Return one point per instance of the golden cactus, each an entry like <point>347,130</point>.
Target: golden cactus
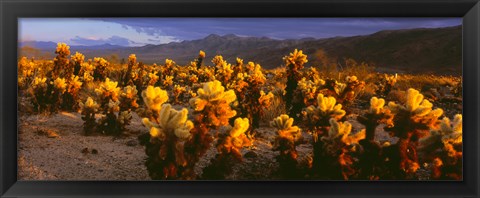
<point>88,109</point>
<point>78,58</point>
<point>170,122</point>
<point>214,101</point>
<point>165,142</point>
<point>288,137</point>
<point>444,145</point>
<point>413,120</point>
<point>132,59</point>
<point>340,133</point>
<point>296,58</point>
<point>154,97</point>
<point>74,85</point>
<point>326,108</point>
<point>60,84</point>
<point>265,100</point>
<point>62,49</point>
<point>285,127</point>
<point>108,90</point>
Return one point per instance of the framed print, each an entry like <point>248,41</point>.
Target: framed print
<point>163,98</point>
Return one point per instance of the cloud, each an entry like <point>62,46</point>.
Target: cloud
<point>284,28</point>
<point>114,40</point>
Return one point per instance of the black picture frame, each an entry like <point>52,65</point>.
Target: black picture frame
<point>10,10</point>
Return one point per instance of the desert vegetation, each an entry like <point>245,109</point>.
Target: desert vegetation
<point>220,120</point>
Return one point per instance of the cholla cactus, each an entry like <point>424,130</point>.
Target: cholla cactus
<point>61,62</point>
<point>345,93</point>
<point>296,58</point>
<point>164,144</point>
<point>337,148</point>
<point>371,159</point>
<point>386,84</point>
<point>154,97</point>
<point>88,109</point>
<point>265,100</point>
<point>60,85</point>
<point>214,102</point>
<point>224,72</point>
<point>101,68</point>
<point>26,71</point>
<point>77,60</point>
<point>228,147</point>
<point>40,94</point>
<point>107,91</point>
<point>288,137</point>
<point>178,92</point>
<point>294,63</point>
<point>198,62</point>
<point>412,121</point>
<point>128,98</point>
<point>376,115</point>
<point>326,108</point>
<point>153,78</point>
<point>71,95</point>
<point>168,81</point>
<point>217,60</point>
<point>444,145</point>
<point>211,110</point>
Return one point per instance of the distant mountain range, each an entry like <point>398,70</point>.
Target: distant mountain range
<point>424,50</point>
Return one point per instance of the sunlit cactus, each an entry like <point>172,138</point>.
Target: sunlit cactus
<point>413,120</point>
<point>26,71</point>
<point>164,144</point>
<point>340,133</point>
<point>211,110</point>
<point>294,63</point>
<point>296,58</point>
<point>386,84</point>
<point>444,145</point>
<point>89,109</point>
<point>338,146</point>
<point>101,68</point>
<point>265,100</point>
<point>60,85</point>
<point>214,102</point>
<point>154,97</point>
<point>153,78</point>
<point>168,81</point>
<point>198,62</point>
<point>224,72</point>
<point>228,146</point>
<point>218,60</point>
<point>61,62</point>
<point>178,93</point>
<point>70,97</point>
<point>77,60</point>
<point>371,158</point>
<point>288,136</point>
<point>108,90</point>
<point>326,108</point>
<point>39,94</point>
<point>128,98</point>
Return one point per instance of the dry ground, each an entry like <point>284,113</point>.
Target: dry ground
<point>73,156</point>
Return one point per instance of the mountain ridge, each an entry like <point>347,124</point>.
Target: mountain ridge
<point>420,50</point>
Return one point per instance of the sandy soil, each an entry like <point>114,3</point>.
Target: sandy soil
<point>54,148</point>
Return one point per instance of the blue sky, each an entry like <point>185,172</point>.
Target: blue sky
<point>142,31</point>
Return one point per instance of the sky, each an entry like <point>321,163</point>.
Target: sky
<point>143,31</point>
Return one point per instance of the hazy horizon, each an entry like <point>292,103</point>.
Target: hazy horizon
<point>132,32</point>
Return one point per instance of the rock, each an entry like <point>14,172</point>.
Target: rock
<point>85,151</point>
<point>132,143</point>
<point>250,154</point>
<point>94,151</point>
